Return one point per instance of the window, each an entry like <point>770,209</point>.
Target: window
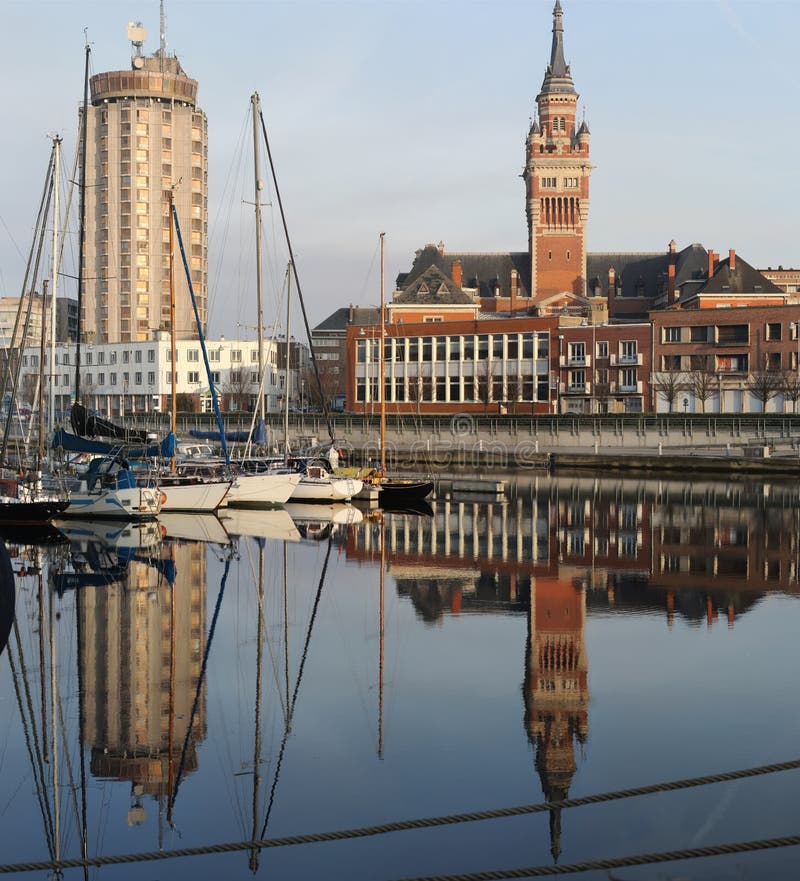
<point>629,351</point>
<point>236,376</point>
<point>137,356</point>
<point>137,378</point>
<point>101,379</point>
<point>578,382</point>
<point>431,319</point>
<point>549,181</point>
<point>497,347</point>
<point>215,376</point>
<point>602,349</point>
<point>213,355</point>
<point>194,376</point>
<point>236,356</point>
<point>151,356</point>
<point>192,355</point>
<point>126,356</point>
<point>672,334</point>
<point>151,377</point>
<point>88,359</point>
<point>628,379</point>
<point>577,353</point>
<point>774,330</point>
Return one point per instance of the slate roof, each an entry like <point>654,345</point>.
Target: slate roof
<point>743,279</point>
<point>481,271</point>
<point>432,286</point>
<point>340,319</point>
<point>644,274</point>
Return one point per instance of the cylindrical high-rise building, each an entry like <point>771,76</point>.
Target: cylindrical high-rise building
<point>145,135</point>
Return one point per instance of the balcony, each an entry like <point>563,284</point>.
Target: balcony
<point>632,360</point>
<point>634,388</point>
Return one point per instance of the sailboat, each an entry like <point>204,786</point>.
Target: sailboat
<point>23,498</point>
<point>248,490</point>
<point>109,488</point>
<point>393,492</point>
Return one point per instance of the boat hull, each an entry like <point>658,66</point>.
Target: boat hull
<point>266,490</point>
<point>133,503</point>
<point>399,493</point>
<point>20,513</point>
<point>194,497</point>
<point>326,489</point>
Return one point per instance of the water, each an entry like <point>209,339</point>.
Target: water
<point>586,635</point>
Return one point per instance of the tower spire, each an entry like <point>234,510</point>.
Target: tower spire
<point>558,67</point>
<point>557,77</point>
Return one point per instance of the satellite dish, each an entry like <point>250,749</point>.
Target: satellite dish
<point>136,33</point>
<point>138,62</point>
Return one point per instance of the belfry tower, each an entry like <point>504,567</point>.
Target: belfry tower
<point>556,176</point>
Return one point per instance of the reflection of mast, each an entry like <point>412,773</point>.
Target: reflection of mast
<point>380,650</point>
<point>556,690</point>
<point>253,863</point>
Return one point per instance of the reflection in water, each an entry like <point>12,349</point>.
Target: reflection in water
<point>562,544</point>
<point>560,551</point>
<point>143,641</point>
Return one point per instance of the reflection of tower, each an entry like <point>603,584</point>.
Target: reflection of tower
<point>135,673</point>
<point>556,691</point>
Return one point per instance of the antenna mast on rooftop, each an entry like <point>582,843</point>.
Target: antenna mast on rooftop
<point>163,32</point>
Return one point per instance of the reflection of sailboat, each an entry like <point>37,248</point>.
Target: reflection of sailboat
<point>194,527</point>
<point>7,596</point>
<point>101,553</point>
<point>316,522</point>
<point>273,524</point>
<point>113,536</point>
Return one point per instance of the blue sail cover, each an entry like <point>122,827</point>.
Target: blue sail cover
<point>72,443</point>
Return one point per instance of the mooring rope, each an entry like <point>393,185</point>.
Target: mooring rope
<point>454,819</point>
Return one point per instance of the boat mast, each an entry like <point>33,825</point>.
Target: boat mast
<point>42,335</point>
<point>288,377</point>
<point>51,398</point>
<point>258,185</point>
<point>82,234</point>
<point>381,390</point>
<point>173,354</point>
<point>380,643</point>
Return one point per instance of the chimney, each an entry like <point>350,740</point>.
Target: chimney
<point>456,273</point>
<point>611,277</point>
<point>711,263</point>
<point>440,248</point>
<point>732,260</point>
<point>514,289</point>
<point>716,261</point>
<point>672,247</point>
<point>350,314</point>
<point>671,282</point>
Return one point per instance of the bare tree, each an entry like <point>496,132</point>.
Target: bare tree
<point>669,385</point>
<point>702,383</point>
<point>764,385</point>
<point>513,391</point>
<point>238,390</point>
<point>791,387</point>
<point>483,384</point>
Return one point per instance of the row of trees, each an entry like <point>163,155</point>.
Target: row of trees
<point>703,384</point>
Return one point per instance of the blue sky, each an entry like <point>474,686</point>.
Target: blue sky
<point>411,117</point>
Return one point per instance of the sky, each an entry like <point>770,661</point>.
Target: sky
<point>410,117</point>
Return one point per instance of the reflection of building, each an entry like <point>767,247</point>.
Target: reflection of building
<point>664,544</point>
<point>556,691</point>
<point>135,708</point>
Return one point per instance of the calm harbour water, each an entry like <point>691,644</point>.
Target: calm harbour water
<point>585,635</point>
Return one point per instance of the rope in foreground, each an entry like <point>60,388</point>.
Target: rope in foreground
<point>455,819</point>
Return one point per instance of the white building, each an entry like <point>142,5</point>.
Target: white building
<point>135,377</point>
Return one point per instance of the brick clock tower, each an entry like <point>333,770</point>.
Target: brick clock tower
<point>556,176</point>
